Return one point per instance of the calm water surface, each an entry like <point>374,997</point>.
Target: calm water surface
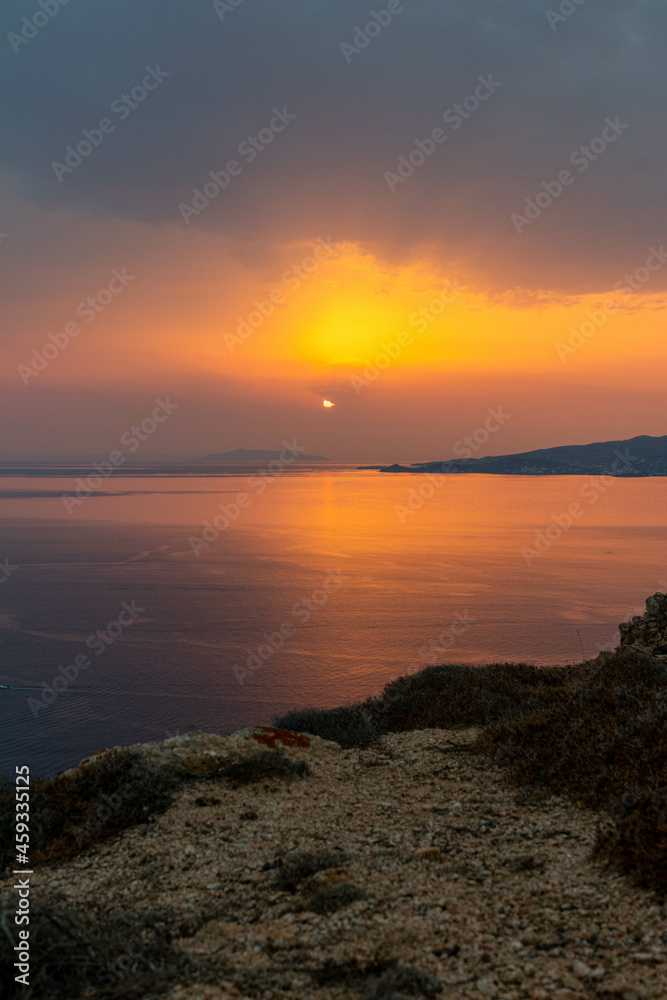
<point>206,649</point>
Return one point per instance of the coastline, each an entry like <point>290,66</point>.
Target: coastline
<point>496,831</point>
<point>413,864</point>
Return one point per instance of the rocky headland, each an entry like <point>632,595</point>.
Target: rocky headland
<point>475,832</point>
<point>648,632</point>
<point>636,457</point>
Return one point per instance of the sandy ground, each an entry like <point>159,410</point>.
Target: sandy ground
<point>491,890</point>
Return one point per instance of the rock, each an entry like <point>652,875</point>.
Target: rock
<point>580,969</point>
<point>570,982</point>
<point>200,754</point>
<point>325,879</point>
<point>648,633</point>
<point>431,853</point>
<point>654,605</point>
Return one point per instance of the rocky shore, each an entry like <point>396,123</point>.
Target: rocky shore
<point>648,632</point>
<point>278,865</point>
<point>404,870</point>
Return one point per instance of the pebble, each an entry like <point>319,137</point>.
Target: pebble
<point>429,853</point>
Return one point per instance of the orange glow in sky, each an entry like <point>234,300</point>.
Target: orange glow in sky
<point>324,322</point>
<point>387,343</point>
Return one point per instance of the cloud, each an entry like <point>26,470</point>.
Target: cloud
<point>355,118</point>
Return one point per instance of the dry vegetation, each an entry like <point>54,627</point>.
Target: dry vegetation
<point>108,956</point>
<point>79,808</point>
<point>596,731</point>
<point>74,810</point>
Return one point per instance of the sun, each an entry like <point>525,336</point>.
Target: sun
<point>327,403</point>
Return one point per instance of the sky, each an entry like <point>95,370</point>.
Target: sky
<point>421,211</point>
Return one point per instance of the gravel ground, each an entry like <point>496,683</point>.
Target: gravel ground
<point>458,875</point>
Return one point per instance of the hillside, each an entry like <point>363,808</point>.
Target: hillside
<point>638,456</point>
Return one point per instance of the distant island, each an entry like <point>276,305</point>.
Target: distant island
<point>635,457</point>
<point>247,455</point>
<point>209,465</point>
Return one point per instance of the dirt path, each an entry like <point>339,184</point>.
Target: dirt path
<point>459,876</point>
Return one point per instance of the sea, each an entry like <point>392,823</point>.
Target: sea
<point>156,605</point>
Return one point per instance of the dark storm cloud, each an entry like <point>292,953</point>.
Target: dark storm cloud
<point>357,112</point>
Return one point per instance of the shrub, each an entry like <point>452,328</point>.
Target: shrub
<point>403,982</point>
<point>604,734</point>
<point>603,741</point>
<point>634,839</point>
<point>116,956</point>
<point>74,810</point>
<point>440,697</point>
<point>333,898</point>
<point>350,725</point>
<point>459,695</point>
<point>78,809</point>
<point>384,980</point>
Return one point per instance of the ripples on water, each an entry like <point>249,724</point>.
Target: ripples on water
<point>447,581</point>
